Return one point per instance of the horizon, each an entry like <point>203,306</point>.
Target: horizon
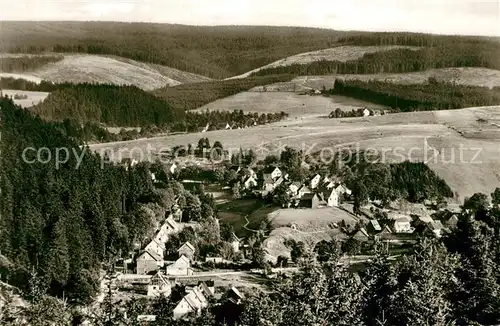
<point>445,17</point>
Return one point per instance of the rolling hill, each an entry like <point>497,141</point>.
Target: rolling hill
<point>84,68</point>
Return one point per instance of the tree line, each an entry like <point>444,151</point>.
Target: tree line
<point>26,63</point>
<point>432,95</point>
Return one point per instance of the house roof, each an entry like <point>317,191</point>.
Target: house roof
<point>234,237</point>
<point>304,189</point>
<point>151,254</point>
<point>236,292</point>
<point>296,184</point>
<point>270,169</point>
<point>308,196</point>
<point>160,276</point>
<point>361,233</point>
<point>170,221</point>
<point>386,229</point>
<point>375,225</point>
<point>436,225</point>
<point>187,244</point>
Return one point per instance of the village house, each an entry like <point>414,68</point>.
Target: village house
<point>234,296</point>
<point>159,285</point>
<point>402,225</point>
<point>148,262</point>
<point>313,184</point>
<point>228,127</point>
<point>156,247</point>
<point>194,301</point>
<point>188,250</point>
<point>366,112</point>
<point>373,227</point>
<point>169,227</point>
<point>361,235</point>
<point>250,182</point>
<point>331,198</point>
<point>235,242</point>
<point>303,191</point>
<point>250,172</point>
<point>309,200</point>
<point>273,172</point>
<point>181,267</point>
<point>452,221</point>
<point>293,188</point>
<point>171,167</point>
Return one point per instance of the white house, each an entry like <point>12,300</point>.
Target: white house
<point>273,172</point>
<point>332,198</point>
<point>293,188</point>
<point>159,285</point>
<point>228,127</point>
<point>187,249</point>
<point>315,181</point>
<point>402,225</point>
<point>194,301</point>
<point>148,262</point>
<point>366,112</point>
<point>171,167</point>
<point>302,191</point>
<point>157,247</point>
<point>181,267</point>
<point>235,243</point>
<point>250,182</point>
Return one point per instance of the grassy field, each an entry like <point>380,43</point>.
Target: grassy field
<point>294,104</point>
<point>234,212</point>
<point>33,97</point>
<point>311,226</point>
<point>340,53</point>
<point>463,76</point>
<point>31,78</point>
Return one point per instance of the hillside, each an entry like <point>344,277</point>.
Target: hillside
<point>340,53</point>
<point>83,68</point>
<point>216,52</point>
<point>481,77</point>
<point>109,104</point>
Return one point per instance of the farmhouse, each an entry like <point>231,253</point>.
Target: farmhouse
<point>313,184</point>
<point>361,235</point>
<point>366,112</point>
<point>148,262</point>
<point>157,247</point>
<point>293,188</point>
<point>234,295</point>
<point>303,191</point>
<point>331,197</point>
<point>402,225</point>
<point>188,250</point>
<point>194,301</point>
<point>373,227</point>
<point>309,201</point>
<point>159,285</point>
<point>273,172</point>
<point>452,221</point>
<point>250,182</point>
<point>181,267</point>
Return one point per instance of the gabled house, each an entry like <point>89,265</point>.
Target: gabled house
<point>228,127</point>
<point>385,230</point>
<point>361,235</point>
<point>171,167</point>
<point>148,262</point>
<point>208,288</point>
<point>191,302</point>
<point>402,225</point>
<point>293,188</point>
<point>331,198</point>
<point>314,182</point>
<point>181,267</point>
<point>273,172</point>
<point>452,222</point>
<point>251,172</point>
<point>234,296</point>
<point>309,201</point>
<point>303,191</point>
<point>159,285</point>
<point>373,227</point>
<point>436,227</point>
<point>250,182</point>
<point>366,112</point>
<point>156,246</point>
<point>235,242</point>
<point>188,250</point>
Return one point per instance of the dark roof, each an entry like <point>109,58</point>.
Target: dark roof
<point>269,169</point>
<point>308,196</point>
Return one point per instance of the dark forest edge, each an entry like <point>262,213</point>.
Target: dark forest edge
<point>432,95</point>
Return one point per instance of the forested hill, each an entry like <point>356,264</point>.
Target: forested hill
<point>212,51</point>
<point>109,104</point>
<point>62,220</point>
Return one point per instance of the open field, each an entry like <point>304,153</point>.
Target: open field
<point>397,137</point>
<point>294,104</point>
<point>245,215</point>
<point>340,53</point>
<point>33,97</point>
<point>463,76</point>
<point>310,226</point>
<point>81,68</point>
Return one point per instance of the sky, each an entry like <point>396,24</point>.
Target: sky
<point>481,17</point>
